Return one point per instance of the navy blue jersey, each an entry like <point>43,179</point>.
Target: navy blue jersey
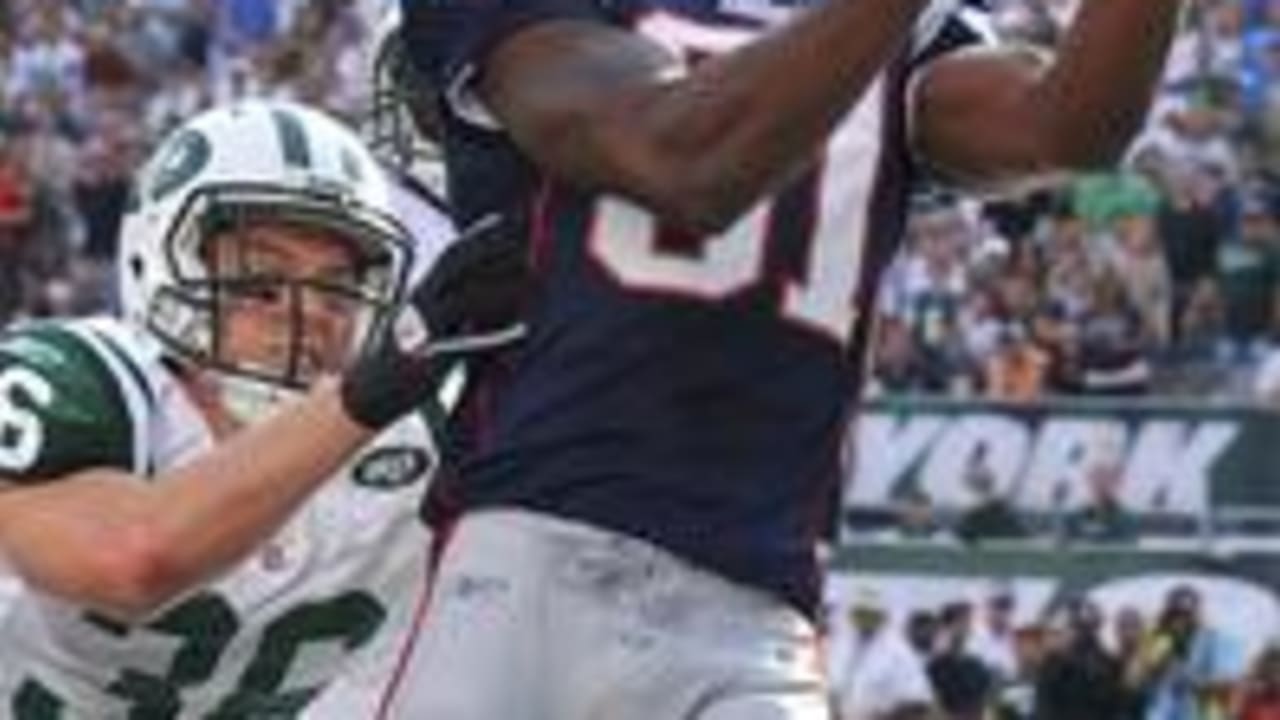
<point>692,397</point>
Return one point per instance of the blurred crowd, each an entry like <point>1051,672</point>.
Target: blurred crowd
<point>986,661</point>
<point>1160,278</point>
<point>87,87</point>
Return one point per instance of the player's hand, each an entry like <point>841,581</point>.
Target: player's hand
<point>469,302</point>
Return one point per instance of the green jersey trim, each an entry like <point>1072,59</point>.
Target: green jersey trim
<point>108,341</point>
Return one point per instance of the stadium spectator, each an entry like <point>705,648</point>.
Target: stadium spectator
<point>916,517</point>
<point>993,642</point>
<point>1191,128</point>
<point>1017,369</point>
<point>16,214</point>
<point>963,684</point>
<point>1081,679</point>
<point>927,288</point>
<point>1249,267</point>
<point>1192,665</point>
<point>48,60</point>
<point>179,95</point>
<point>1129,629</point>
<point>1198,349</point>
<point>866,617</point>
<point>1266,120</point>
<point>102,183</point>
<point>922,633</point>
<point>1138,258</point>
<point>1104,518</point>
<point>992,516</point>
<point>1266,383</point>
<point>897,367</point>
<point>1259,694</point>
<point>1017,695</point>
<point>246,25</point>
<point>1190,226</point>
<point>1111,355</point>
<point>886,678</point>
<point>1101,199</point>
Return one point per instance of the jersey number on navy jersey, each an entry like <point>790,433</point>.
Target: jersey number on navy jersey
<point>204,627</point>
<point>21,433</point>
<point>625,238</point>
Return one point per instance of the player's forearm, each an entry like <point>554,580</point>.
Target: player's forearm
<point>125,546</point>
<point>1096,95</point>
<point>743,123</point>
<point>610,111</point>
<point>219,507</point>
<point>1000,118</point>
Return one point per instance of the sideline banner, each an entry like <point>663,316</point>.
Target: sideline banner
<point>1177,458</point>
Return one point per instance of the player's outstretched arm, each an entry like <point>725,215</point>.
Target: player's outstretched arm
<point>605,109</point>
<point>992,117</point>
<point>126,545</point>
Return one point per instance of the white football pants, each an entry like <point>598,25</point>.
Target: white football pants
<point>537,618</point>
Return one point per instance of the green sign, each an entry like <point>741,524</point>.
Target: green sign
<point>1173,458</point>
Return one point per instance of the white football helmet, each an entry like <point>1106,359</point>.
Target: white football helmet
<point>402,125</point>
<point>254,161</point>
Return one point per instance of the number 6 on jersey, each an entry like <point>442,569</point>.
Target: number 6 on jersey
<point>21,434</point>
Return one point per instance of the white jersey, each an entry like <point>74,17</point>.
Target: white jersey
<point>9,588</point>
<point>260,642</point>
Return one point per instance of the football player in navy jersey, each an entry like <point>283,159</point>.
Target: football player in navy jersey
<point>709,189</point>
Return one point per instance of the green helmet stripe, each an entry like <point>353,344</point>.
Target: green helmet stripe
<point>180,161</point>
<point>293,139</point>
<point>351,165</point>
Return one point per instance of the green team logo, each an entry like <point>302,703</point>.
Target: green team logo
<point>390,468</point>
<point>186,155</point>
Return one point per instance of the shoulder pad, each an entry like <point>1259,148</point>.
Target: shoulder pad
<point>67,403</point>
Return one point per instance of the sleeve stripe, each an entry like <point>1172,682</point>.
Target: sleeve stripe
<point>948,26</point>
<point>127,379</point>
<point>142,429</point>
<point>135,370</point>
<point>979,23</point>
<point>462,99</point>
<point>964,25</point>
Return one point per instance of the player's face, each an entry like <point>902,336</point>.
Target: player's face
<point>289,308</point>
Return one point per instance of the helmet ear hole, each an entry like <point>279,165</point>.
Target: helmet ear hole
<point>136,266</point>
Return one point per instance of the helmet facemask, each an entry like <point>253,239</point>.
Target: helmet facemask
<point>403,127</point>
<point>264,324</point>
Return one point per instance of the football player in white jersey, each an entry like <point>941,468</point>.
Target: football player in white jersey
<point>205,524</point>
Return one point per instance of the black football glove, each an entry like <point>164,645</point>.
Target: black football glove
<point>469,302</point>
